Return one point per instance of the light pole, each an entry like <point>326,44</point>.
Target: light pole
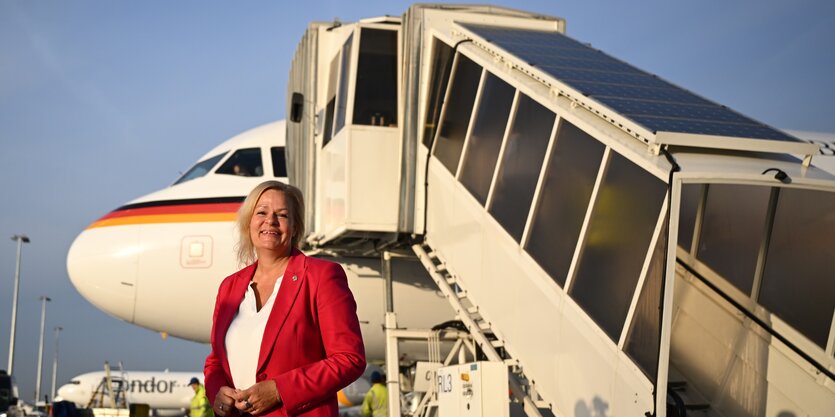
<point>44,299</point>
<point>21,239</point>
<point>55,361</point>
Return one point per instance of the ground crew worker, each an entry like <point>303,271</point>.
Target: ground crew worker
<point>200,406</point>
<point>376,401</point>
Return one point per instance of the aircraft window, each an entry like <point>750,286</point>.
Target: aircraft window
<point>279,161</point>
<point>618,238</point>
<point>328,133</point>
<point>521,163</point>
<point>691,195</point>
<point>732,231</point>
<point>200,169</point>
<point>344,80</point>
<point>437,87</point>
<point>459,108</point>
<point>486,137</point>
<point>564,199</point>
<point>642,342</point>
<point>797,282</point>
<point>376,92</point>
<point>244,162</point>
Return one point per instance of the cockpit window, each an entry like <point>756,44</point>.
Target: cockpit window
<point>244,162</point>
<point>200,169</point>
<point>279,163</point>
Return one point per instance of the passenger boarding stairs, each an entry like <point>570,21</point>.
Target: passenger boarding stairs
<point>560,196</point>
<point>522,388</point>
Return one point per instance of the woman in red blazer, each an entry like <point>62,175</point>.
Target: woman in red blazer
<point>301,310</point>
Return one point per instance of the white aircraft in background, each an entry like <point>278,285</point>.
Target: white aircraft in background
<point>157,261</point>
<point>168,393</point>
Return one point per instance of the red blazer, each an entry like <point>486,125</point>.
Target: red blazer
<point>312,345</point>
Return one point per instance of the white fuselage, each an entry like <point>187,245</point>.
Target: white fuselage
<point>159,390</point>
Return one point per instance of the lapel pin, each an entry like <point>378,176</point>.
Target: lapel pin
<point>295,278</point>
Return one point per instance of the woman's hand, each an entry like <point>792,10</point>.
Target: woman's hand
<point>224,404</point>
<point>258,398</point>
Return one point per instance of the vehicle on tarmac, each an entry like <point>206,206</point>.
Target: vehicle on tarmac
<point>8,395</point>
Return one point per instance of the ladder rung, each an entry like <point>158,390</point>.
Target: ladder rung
<point>511,362</point>
<point>496,343</point>
<point>472,310</point>
<point>461,294</point>
<point>483,325</point>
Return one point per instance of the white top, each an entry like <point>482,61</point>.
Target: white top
<point>243,339</point>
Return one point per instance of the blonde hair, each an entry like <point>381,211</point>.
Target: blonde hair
<point>295,204</point>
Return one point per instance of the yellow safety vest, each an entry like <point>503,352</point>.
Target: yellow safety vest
<point>200,406</point>
<point>376,402</point>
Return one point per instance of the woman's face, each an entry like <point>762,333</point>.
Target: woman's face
<point>269,228</point>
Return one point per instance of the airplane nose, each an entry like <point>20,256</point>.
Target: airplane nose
<point>71,392</point>
<point>102,264</point>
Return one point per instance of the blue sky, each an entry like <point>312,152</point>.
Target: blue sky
<point>104,101</point>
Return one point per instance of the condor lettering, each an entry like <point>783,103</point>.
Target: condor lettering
<point>152,385</point>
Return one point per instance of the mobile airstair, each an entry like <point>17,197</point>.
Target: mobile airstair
<point>109,398</point>
<point>624,246</point>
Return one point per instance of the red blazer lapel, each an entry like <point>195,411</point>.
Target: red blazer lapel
<point>229,308</point>
<point>284,300</point>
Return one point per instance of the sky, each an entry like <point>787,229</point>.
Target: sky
<point>104,101</point>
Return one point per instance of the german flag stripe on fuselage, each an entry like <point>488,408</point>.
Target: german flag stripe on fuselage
<point>173,211</point>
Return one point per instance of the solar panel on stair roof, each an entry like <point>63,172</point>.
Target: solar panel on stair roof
<point>637,95</point>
